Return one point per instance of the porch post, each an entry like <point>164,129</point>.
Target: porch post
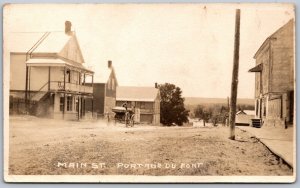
<point>29,72</point>
<point>92,106</point>
<point>49,78</point>
<point>81,106</point>
<point>26,90</point>
<point>84,79</point>
<point>64,93</point>
<point>78,110</point>
<point>92,80</point>
<point>93,95</point>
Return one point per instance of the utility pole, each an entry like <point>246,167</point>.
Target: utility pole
<point>228,107</point>
<point>235,75</point>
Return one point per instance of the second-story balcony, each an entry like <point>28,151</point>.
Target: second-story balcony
<point>72,87</point>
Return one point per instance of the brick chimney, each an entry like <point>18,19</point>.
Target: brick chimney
<point>109,64</point>
<point>68,26</point>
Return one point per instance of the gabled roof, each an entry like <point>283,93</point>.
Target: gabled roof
<point>246,112</point>
<point>48,42</point>
<point>102,75</point>
<point>53,43</point>
<point>131,93</point>
<point>291,21</point>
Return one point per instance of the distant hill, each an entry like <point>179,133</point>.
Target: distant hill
<point>191,101</point>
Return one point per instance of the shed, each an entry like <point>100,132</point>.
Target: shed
<point>243,117</point>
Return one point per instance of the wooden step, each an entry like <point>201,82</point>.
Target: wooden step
<point>256,123</point>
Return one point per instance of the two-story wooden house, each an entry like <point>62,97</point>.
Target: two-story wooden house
<point>145,101</point>
<point>104,91</point>
<point>275,78</point>
<point>47,76</point>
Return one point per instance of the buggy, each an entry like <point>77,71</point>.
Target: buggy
<point>124,116</point>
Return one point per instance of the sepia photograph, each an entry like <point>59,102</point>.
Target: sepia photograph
<point>149,93</point>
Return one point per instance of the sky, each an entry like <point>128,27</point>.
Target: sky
<point>189,45</point>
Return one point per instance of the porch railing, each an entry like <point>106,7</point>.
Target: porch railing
<point>59,86</point>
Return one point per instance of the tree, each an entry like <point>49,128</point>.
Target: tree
<point>211,113</point>
<point>172,108</point>
<point>202,113</point>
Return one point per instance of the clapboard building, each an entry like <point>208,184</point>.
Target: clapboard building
<point>144,100</point>
<point>104,91</point>
<point>275,78</point>
<point>47,75</point>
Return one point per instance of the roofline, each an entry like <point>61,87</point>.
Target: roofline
<point>35,53</point>
<point>270,38</point>
<point>96,83</point>
<point>134,99</point>
<point>138,87</point>
<point>115,76</point>
<point>18,53</point>
<point>80,52</point>
<point>267,40</point>
<point>65,59</point>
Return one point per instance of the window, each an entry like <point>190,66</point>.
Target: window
<point>61,104</point>
<point>69,103</point>
<point>68,76</point>
<point>142,105</point>
<point>79,78</point>
<point>76,104</point>
<point>265,109</point>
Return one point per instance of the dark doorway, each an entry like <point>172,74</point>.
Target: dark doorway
<point>260,108</point>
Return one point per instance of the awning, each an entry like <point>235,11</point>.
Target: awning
<point>257,68</point>
<point>45,62</point>
<point>55,62</point>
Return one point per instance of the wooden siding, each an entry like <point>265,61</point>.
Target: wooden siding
<point>277,56</point>
<point>146,109</point>
<point>99,95</point>
<point>109,103</point>
<point>111,86</point>
<point>262,81</point>
<point>17,67</point>
<point>72,51</point>
<point>274,108</point>
<point>277,76</point>
<point>38,77</point>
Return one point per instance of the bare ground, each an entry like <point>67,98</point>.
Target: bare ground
<point>48,147</point>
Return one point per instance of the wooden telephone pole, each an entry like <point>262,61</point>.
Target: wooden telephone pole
<point>228,107</point>
<point>235,75</point>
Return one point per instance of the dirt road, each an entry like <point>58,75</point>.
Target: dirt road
<point>46,147</point>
